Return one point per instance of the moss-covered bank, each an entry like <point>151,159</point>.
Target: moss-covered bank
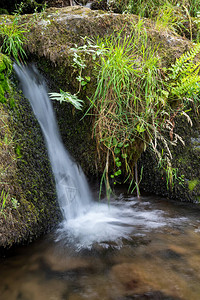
<point>27,184</point>
<point>186,159</point>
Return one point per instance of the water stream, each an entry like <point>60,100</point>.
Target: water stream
<point>156,263</point>
<point>148,249</point>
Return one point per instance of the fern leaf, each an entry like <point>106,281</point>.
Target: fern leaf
<point>67,97</point>
<point>189,85</point>
<point>184,64</point>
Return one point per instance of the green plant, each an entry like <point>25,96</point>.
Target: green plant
<point>5,71</point>
<point>15,203</point>
<point>19,8</point>
<point>183,79</point>
<point>79,60</point>
<point>18,151</point>
<point>192,184</point>
<point>136,102</point>
<point>127,104</point>
<point>39,11</point>
<point>197,25</point>
<point>67,97</point>
<point>79,63</point>
<point>166,18</point>
<point>143,8</point>
<point>3,199</point>
<point>13,39</point>
<point>167,14</point>
<point>135,105</point>
<point>193,7</point>
<point>31,6</point>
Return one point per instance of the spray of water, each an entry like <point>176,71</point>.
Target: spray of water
<point>84,221</point>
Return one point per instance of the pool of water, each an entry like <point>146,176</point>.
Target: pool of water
<point>158,258</point>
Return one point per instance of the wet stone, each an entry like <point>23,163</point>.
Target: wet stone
<point>24,296</point>
<point>169,254</point>
<point>157,295</point>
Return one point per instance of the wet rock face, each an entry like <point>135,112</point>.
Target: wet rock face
<point>27,175</point>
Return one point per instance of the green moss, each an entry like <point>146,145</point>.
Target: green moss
<point>192,184</point>
<point>5,68</point>
<point>26,173</point>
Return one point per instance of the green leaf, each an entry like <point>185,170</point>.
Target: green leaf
<point>140,128</point>
<point>118,164</point>
<point>120,145</point>
<point>126,145</point>
<point>67,97</point>
<point>114,141</point>
<point>117,151</point>
<point>118,173</point>
<point>88,78</point>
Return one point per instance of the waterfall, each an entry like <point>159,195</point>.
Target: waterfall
<point>72,189</point>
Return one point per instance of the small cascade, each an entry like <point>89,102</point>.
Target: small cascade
<point>71,185</point>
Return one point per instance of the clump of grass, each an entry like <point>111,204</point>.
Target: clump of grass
<point>168,18</point>
<point>143,8</point>
<point>13,38</point>
<point>193,7</point>
<point>129,104</point>
<point>168,14</point>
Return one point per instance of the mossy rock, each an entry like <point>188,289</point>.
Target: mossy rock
<point>186,160</point>
<point>31,207</point>
<point>5,70</point>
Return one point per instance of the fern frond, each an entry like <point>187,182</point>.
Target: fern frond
<point>67,97</point>
<point>184,64</point>
<point>189,85</point>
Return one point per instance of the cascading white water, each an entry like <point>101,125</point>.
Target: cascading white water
<point>85,221</point>
<point>72,189</point>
